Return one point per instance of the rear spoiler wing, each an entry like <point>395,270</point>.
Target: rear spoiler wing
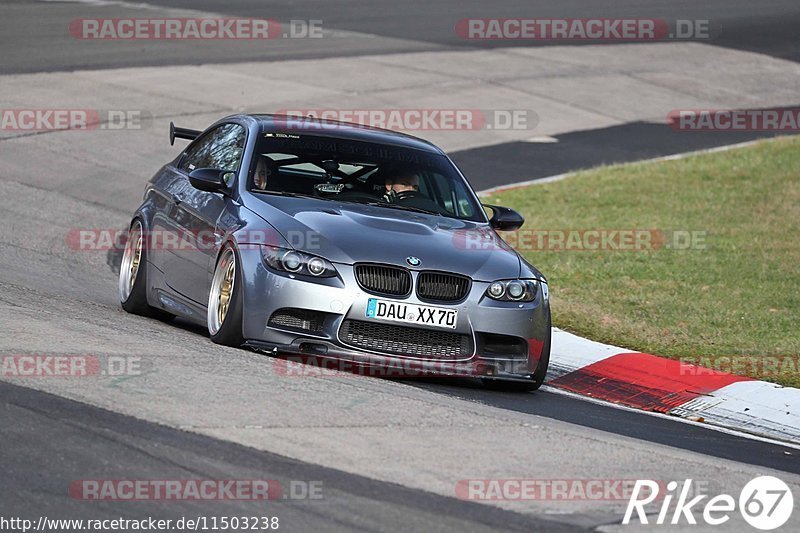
<point>181,133</point>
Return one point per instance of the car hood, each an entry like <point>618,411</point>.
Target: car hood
<point>344,232</point>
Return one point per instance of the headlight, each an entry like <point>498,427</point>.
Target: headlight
<point>316,266</point>
<point>497,290</point>
<point>297,262</point>
<point>515,290</point>
<point>291,261</point>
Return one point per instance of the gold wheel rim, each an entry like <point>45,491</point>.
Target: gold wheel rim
<point>137,256</point>
<point>226,291</point>
<point>222,288</point>
<point>131,261</point>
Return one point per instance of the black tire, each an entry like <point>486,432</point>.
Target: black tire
<point>136,300</point>
<point>229,332</point>
<point>539,374</point>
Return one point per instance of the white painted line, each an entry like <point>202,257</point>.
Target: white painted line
<point>541,139</point>
<point>119,3</point>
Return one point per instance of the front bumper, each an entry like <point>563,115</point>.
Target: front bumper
<point>484,321</point>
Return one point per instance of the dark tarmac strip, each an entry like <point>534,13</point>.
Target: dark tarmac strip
<point>501,164</point>
<point>49,442</point>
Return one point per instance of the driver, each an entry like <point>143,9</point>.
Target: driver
<point>407,182</point>
<point>405,190</point>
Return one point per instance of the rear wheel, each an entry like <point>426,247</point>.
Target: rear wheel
<point>225,300</point>
<point>133,276</point>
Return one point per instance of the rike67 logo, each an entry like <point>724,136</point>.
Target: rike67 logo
<point>766,503</point>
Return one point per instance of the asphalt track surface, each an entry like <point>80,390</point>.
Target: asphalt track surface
<point>73,436</point>
<point>57,434</point>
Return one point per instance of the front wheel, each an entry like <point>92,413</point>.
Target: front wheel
<point>225,300</point>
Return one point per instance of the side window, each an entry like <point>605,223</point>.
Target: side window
<point>454,197</point>
<point>220,148</point>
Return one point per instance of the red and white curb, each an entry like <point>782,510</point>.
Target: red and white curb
<point>657,384</point>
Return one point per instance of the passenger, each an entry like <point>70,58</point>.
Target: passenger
<point>265,169</point>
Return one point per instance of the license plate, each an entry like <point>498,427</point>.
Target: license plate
<point>419,315</point>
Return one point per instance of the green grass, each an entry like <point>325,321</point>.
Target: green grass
<point>738,296</point>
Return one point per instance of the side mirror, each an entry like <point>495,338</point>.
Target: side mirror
<point>210,179</point>
<point>505,218</point>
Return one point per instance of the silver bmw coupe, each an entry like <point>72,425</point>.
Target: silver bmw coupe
<point>308,238</point>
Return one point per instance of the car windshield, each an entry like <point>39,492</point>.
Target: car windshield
<point>362,172</point>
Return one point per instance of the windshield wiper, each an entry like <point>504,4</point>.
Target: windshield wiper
<point>403,207</point>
